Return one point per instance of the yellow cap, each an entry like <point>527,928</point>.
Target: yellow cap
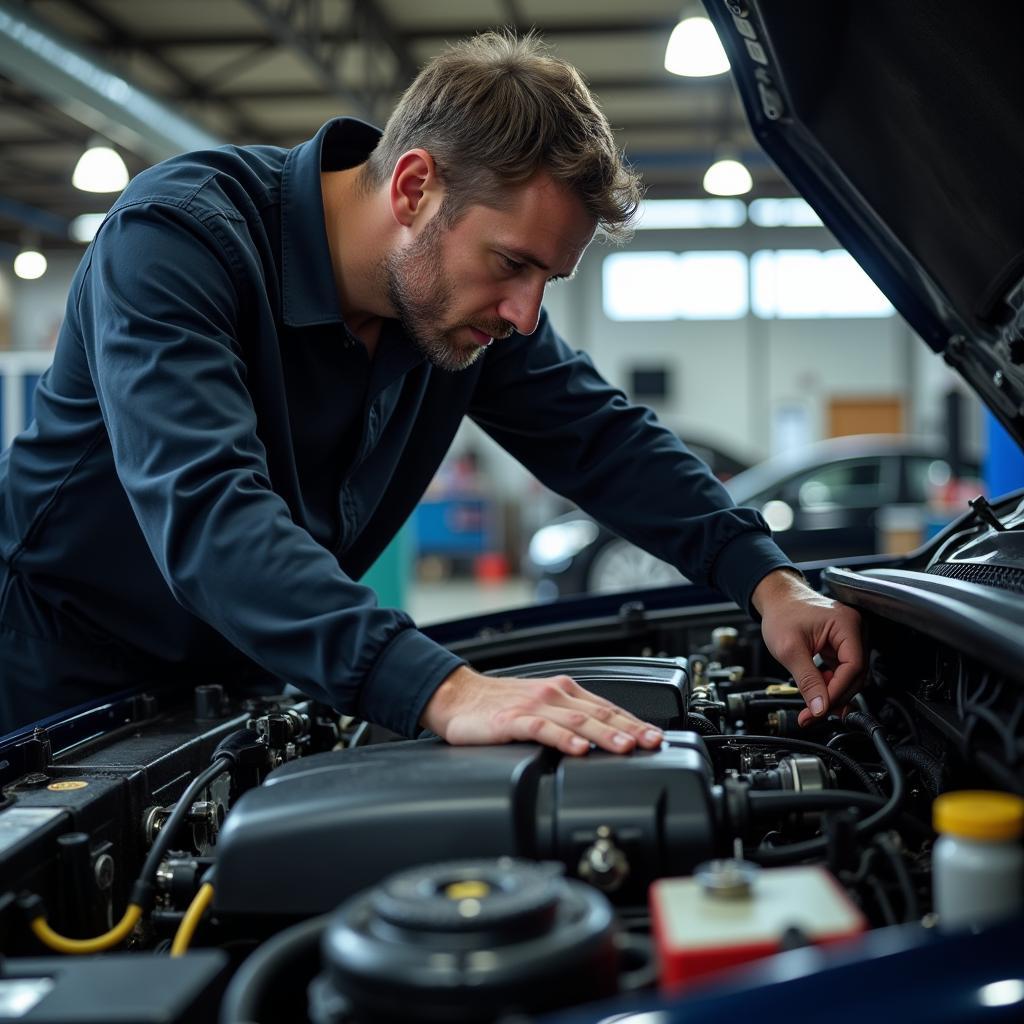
<point>979,814</point>
<point>469,888</point>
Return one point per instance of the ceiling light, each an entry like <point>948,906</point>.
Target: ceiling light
<point>100,169</point>
<point>84,227</point>
<point>694,50</point>
<point>727,178</point>
<point>29,264</point>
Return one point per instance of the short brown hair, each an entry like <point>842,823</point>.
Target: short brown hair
<point>494,110</point>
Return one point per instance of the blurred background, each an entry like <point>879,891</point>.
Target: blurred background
<point>732,312</point>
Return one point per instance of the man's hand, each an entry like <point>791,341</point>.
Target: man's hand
<point>797,623</point>
<point>470,708</point>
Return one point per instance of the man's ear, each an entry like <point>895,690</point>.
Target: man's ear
<point>415,187</point>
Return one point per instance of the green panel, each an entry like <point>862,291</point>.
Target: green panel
<point>389,575</point>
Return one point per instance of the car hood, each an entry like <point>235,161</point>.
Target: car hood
<point>901,124</point>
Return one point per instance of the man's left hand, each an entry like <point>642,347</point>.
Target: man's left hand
<point>797,623</point>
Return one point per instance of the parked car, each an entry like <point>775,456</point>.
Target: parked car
<point>829,500</point>
<point>330,875</point>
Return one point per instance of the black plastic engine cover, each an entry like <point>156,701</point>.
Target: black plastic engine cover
<point>324,827</point>
<point>654,689</point>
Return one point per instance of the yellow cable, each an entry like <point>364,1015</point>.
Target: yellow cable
<point>62,944</point>
<point>190,922</point>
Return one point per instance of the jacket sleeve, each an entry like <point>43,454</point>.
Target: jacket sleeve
<point>161,310</point>
<point>550,408</point>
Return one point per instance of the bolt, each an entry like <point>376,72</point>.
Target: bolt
<point>103,870</point>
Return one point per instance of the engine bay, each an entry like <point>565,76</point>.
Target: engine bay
<point>298,866</point>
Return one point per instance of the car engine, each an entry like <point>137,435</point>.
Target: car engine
<point>298,866</point>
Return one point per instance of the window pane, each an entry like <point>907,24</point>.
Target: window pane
<point>667,286</point>
<point>640,285</point>
<point>690,213</point>
<point>804,283</point>
<point>713,286</point>
<point>849,484</point>
<point>778,213</point>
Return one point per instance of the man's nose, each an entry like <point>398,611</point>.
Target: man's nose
<point>521,307</point>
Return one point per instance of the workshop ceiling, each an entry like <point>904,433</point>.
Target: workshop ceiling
<point>273,71</point>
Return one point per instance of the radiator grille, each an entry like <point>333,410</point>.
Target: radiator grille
<point>1002,576</point>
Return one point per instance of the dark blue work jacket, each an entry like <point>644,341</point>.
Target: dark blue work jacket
<point>215,460</point>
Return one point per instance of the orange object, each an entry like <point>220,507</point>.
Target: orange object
<point>699,934</point>
<point>490,568</point>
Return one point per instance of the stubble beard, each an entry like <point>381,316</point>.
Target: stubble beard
<point>421,293</point>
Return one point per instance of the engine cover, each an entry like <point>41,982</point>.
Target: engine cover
<point>324,827</point>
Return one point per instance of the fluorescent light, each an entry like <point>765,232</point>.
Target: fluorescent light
<point>662,214</point>
<point>29,264</point>
<point>1002,993</point>
<point>727,178</point>
<point>100,169</point>
<point>694,50</point>
<point>84,227</point>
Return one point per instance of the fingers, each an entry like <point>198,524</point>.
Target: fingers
<point>613,716</point>
<point>608,728</point>
<point>842,685</point>
<point>811,684</point>
<point>556,712</point>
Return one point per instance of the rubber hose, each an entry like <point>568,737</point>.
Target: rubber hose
<point>261,969</point>
<point>928,766</point>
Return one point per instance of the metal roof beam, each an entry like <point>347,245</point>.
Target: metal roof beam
<point>407,35</point>
<point>84,88</point>
<point>299,25</point>
<point>33,218</point>
<point>119,37</point>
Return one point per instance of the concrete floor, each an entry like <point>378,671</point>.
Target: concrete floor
<point>451,599</point>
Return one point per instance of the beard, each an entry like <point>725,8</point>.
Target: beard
<point>421,293</point>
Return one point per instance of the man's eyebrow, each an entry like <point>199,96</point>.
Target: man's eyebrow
<point>534,261</point>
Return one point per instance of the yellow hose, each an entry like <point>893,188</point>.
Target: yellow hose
<point>62,944</point>
<point>190,922</point>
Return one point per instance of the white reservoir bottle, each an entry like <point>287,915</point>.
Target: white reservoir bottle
<point>978,860</point>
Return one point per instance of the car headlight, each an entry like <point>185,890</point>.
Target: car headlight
<point>559,542</point>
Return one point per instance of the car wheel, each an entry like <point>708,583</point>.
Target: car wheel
<point>620,565</point>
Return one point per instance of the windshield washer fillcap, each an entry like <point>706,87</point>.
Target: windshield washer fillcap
<point>979,814</point>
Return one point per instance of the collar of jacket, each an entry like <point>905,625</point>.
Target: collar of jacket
<point>309,295</point>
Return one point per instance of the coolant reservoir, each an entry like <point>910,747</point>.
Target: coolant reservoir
<point>732,912</point>
<point>978,860</point>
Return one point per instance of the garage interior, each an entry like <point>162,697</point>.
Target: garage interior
<point>789,343</point>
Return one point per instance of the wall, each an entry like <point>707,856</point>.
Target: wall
<point>37,307</point>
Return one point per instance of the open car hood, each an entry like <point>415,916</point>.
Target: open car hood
<point>902,124</point>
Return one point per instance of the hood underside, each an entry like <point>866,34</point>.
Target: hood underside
<point>901,124</point>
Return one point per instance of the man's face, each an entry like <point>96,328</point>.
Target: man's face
<point>455,289</point>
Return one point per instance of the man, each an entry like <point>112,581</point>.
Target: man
<point>265,357</point>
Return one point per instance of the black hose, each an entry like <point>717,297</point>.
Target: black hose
<point>873,823</point>
<point>263,968</point>
<point>882,899</point>
<point>881,818</point>
<point>929,767</point>
<point>762,801</point>
<point>144,890</point>
<point>807,746</point>
<point>702,724</point>
<point>911,907</point>
<point>908,719</point>
<point>775,704</point>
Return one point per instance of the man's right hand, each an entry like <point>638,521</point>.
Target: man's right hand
<point>469,708</point>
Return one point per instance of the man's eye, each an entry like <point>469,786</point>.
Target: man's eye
<point>510,263</point>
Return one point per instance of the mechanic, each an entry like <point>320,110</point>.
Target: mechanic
<point>265,356</point>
